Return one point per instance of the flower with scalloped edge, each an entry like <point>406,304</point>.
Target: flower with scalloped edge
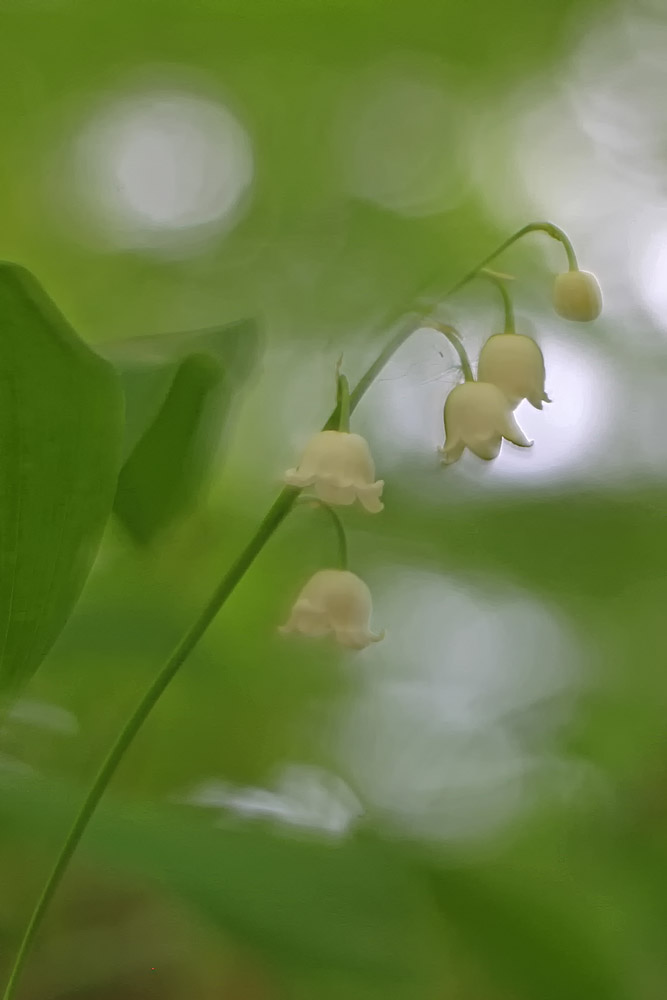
<point>478,416</point>
<point>338,602</point>
<point>577,296</point>
<point>516,365</point>
<point>340,469</point>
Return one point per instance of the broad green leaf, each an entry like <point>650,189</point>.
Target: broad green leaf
<point>60,437</point>
<point>179,389</point>
<point>306,902</point>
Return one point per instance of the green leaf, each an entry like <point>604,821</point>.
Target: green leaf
<point>60,437</point>
<point>305,901</point>
<point>180,390</point>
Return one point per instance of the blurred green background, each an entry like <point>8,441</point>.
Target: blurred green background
<point>476,807</point>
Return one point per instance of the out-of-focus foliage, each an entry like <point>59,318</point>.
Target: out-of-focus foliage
<point>268,888</point>
<point>178,395</point>
<point>473,808</point>
<point>60,433</point>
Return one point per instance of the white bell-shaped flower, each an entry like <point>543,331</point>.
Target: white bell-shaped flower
<point>577,296</point>
<point>334,601</point>
<point>339,467</point>
<point>516,365</point>
<point>478,416</point>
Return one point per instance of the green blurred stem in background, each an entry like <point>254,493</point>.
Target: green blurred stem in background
<point>270,523</point>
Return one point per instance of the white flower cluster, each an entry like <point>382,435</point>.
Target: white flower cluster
<point>479,415</point>
<point>338,467</point>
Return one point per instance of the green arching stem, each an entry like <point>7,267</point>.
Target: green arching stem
<point>452,336</point>
<point>272,520</point>
<point>341,538</point>
<point>340,534</point>
<point>550,229</point>
<point>562,237</point>
<point>343,405</point>
<point>506,297</point>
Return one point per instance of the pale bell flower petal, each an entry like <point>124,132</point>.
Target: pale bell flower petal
<point>513,433</point>
<point>486,448</point>
<point>478,415</point>
<point>452,451</point>
<point>306,619</point>
<point>357,638</point>
<point>295,478</point>
<point>516,365</point>
<point>338,602</point>
<point>340,469</point>
<point>536,400</point>
<point>369,497</point>
<point>335,493</point>
<point>577,296</point>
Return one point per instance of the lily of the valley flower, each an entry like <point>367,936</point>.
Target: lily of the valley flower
<point>515,364</point>
<point>339,467</point>
<point>334,601</point>
<point>577,296</point>
<point>478,416</point>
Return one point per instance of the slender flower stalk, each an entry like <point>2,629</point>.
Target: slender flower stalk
<point>508,307</point>
<point>343,399</point>
<point>558,234</point>
<point>341,537</point>
<point>452,336</point>
<point>274,517</point>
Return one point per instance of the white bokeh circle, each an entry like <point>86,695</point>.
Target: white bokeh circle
<point>157,165</point>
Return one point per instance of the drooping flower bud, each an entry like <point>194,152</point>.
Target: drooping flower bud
<point>515,364</point>
<point>577,296</point>
<point>334,601</point>
<point>340,469</point>
<point>478,416</point>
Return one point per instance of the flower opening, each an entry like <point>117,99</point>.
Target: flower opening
<point>478,416</point>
